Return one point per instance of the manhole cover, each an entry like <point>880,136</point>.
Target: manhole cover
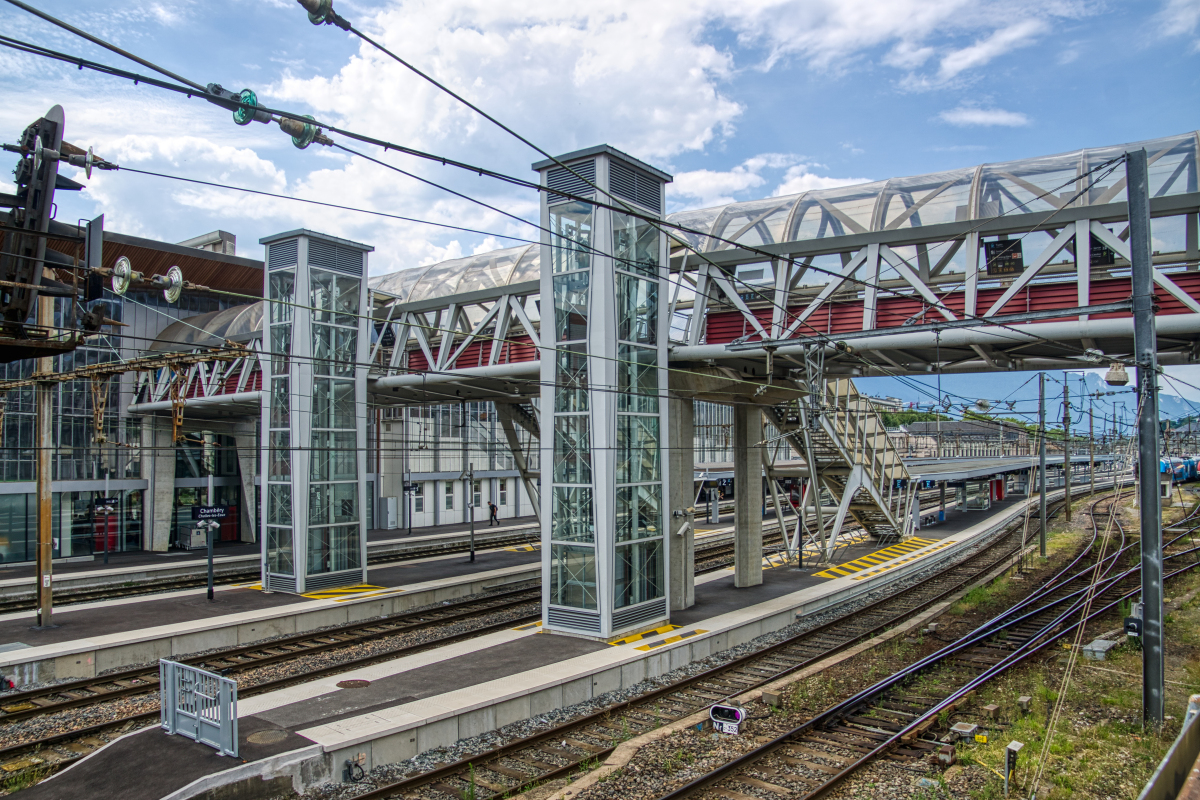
<point>267,737</point>
<point>353,684</point>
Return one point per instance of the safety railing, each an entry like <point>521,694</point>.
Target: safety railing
<point>199,705</point>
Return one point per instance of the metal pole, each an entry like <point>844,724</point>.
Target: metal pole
<point>1042,462</point>
<point>1145,355</point>
<point>1092,446</point>
<point>45,446</point>
<point>210,525</point>
<point>471,503</point>
<point>107,508</point>
<point>1067,441</point>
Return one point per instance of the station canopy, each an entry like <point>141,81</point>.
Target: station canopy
<point>237,324</point>
<point>1047,183</point>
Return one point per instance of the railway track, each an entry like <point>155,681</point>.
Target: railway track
<point>894,717</point>
<point>568,748</point>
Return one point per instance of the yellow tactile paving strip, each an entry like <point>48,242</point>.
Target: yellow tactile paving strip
<point>679,637</point>
<point>529,627</point>
<point>899,561</point>
<point>524,548</point>
<point>873,560</point>
<point>637,637</point>
<point>342,591</point>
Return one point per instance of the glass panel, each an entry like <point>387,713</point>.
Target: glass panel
<point>345,303</point>
<point>319,456</point>
<point>571,379</point>
<point>638,573</point>
<point>637,379</point>
<point>571,306</point>
<point>280,403</point>
<point>637,449</point>
<point>279,504</point>
<point>572,450</point>
<point>571,236</point>
<point>320,499</point>
<point>637,310</point>
<point>281,348</point>
<point>345,502</point>
<point>281,287</point>
<point>571,519</point>
<point>333,404</point>
<point>334,350</point>
<point>639,512</point>
<point>635,244</point>
<point>333,549</point>
<point>279,458</point>
<point>572,576</point>
<point>345,457</point>
<point>279,551</point>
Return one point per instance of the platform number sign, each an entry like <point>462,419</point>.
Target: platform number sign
<point>1100,255</point>
<point>727,719</point>
<point>1004,257</point>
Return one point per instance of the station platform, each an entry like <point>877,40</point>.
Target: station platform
<point>237,559</point>
<point>438,697</point>
<point>90,638</point>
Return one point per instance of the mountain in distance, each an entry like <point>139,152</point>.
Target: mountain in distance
<point>1020,389</point>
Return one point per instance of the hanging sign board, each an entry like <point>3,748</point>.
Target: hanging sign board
<point>1004,257</point>
<point>210,512</point>
<point>1100,255</point>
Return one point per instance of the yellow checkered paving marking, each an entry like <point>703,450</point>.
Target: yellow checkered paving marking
<point>896,551</point>
<point>897,562</point>
<point>679,637</point>
<point>341,591</point>
<point>637,637</point>
<point>524,548</point>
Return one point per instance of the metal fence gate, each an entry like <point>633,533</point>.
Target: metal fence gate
<point>199,705</point>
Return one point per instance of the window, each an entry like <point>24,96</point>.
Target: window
<point>449,495</point>
<point>503,491</point>
<point>418,495</point>
<point>478,492</point>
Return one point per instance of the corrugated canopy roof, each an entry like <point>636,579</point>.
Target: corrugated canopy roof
<point>238,324</point>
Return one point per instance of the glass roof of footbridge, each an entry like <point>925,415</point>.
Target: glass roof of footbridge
<point>1075,179</point>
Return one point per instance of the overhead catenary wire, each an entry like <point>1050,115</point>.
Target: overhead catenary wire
<point>626,208</point>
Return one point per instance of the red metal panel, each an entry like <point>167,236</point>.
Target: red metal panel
<point>892,312</point>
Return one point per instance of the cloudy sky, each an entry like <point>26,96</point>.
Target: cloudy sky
<point>737,100</point>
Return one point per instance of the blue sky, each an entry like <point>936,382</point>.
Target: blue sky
<point>738,101</point>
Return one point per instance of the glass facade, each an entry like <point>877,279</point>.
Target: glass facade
<point>573,571</point>
<point>281,286</point>
<point>333,545</point>
<point>638,566</point>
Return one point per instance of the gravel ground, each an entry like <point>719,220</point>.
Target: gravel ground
<point>466,748</point>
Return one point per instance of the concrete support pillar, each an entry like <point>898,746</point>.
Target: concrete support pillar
<point>747,507</point>
<point>681,545</point>
<point>245,438</point>
<point>162,484</point>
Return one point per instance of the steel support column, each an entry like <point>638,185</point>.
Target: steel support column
<point>1145,354</point>
<point>747,478</point>
<point>681,545</point>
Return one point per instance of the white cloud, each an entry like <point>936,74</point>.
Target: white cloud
<point>799,179</point>
<point>707,188</point>
<point>972,116</point>
<point>983,51</point>
<point>1179,18</point>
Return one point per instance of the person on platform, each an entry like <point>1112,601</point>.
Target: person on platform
<point>494,512</point>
